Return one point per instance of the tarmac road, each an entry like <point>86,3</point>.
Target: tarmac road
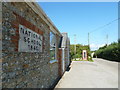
<point>84,74</point>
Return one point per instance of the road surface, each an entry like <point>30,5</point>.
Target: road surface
<point>83,74</point>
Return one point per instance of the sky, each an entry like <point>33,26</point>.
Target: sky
<point>80,18</point>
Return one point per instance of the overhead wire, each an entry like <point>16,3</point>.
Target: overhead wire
<point>104,25</point>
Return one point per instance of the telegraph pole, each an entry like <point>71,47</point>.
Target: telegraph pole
<point>88,39</point>
<point>75,44</point>
<point>107,39</point>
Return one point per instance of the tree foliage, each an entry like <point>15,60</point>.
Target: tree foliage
<point>79,49</point>
<point>111,52</point>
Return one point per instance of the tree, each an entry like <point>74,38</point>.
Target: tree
<point>111,52</point>
<point>79,49</point>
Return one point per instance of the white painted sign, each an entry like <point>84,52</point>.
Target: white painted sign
<point>29,41</point>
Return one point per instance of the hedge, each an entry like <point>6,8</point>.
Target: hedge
<point>111,52</point>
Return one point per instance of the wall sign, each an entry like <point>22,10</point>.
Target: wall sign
<point>29,41</point>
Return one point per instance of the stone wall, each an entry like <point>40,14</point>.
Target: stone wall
<point>0,44</point>
<point>67,54</point>
<point>25,69</point>
<point>66,47</point>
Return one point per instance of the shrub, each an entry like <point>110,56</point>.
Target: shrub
<point>110,52</point>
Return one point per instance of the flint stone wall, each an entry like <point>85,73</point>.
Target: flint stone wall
<point>25,69</point>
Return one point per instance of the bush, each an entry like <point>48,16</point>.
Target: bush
<point>79,49</point>
<point>90,59</point>
<point>110,52</point>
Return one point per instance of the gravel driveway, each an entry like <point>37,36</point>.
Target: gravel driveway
<point>83,74</point>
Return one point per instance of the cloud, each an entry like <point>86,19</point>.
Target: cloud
<point>96,46</point>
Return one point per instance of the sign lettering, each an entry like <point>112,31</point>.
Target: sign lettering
<point>29,41</point>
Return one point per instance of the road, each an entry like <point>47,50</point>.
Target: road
<point>83,74</point>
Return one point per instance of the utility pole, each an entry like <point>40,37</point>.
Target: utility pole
<point>75,44</point>
<point>88,39</point>
<point>107,39</point>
